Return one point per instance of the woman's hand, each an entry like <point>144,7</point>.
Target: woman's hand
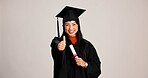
<point>80,62</point>
<point>61,46</point>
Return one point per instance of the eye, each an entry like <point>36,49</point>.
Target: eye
<point>66,24</point>
<point>73,24</point>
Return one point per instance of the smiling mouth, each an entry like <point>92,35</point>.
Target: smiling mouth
<point>71,32</point>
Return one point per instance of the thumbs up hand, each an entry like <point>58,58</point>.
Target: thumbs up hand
<point>61,46</point>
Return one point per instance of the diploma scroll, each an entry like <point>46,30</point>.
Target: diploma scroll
<point>73,51</point>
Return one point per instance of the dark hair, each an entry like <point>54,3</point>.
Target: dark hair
<point>79,37</point>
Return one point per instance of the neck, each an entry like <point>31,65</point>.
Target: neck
<point>73,39</point>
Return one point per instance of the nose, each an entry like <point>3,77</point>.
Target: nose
<point>70,27</point>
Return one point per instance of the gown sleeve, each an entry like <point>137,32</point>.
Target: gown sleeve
<point>54,49</point>
<point>94,64</point>
<point>56,54</point>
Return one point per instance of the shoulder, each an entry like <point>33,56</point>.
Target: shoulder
<point>86,42</point>
<point>55,41</point>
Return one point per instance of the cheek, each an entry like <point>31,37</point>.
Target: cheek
<point>76,28</point>
<point>66,28</point>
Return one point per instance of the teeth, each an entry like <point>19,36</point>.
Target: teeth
<point>71,31</point>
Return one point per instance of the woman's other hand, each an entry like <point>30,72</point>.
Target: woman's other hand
<point>80,62</point>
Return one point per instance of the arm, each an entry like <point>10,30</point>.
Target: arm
<point>53,45</point>
<point>93,69</point>
<point>57,46</point>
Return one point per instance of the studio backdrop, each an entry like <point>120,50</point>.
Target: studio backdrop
<point>117,28</point>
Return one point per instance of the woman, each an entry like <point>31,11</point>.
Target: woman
<point>87,65</point>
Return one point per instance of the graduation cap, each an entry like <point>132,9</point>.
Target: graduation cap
<point>68,14</point>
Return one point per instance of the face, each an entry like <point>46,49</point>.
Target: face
<point>71,28</point>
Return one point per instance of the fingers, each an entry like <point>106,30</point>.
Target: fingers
<point>80,62</point>
<point>61,46</point>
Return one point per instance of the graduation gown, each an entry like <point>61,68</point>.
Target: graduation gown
<point>65,66</point>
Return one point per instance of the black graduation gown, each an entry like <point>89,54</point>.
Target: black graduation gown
<point>65,66</point>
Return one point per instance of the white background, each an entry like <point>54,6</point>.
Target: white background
<point>117,28</point>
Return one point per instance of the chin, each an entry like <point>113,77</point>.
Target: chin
<point>72,35</point>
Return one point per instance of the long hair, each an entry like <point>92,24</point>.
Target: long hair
<point>80,41</point>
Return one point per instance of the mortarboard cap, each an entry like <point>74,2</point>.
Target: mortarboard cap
<point>68,14</point>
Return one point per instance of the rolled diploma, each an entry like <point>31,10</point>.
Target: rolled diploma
<point>73,51</point>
